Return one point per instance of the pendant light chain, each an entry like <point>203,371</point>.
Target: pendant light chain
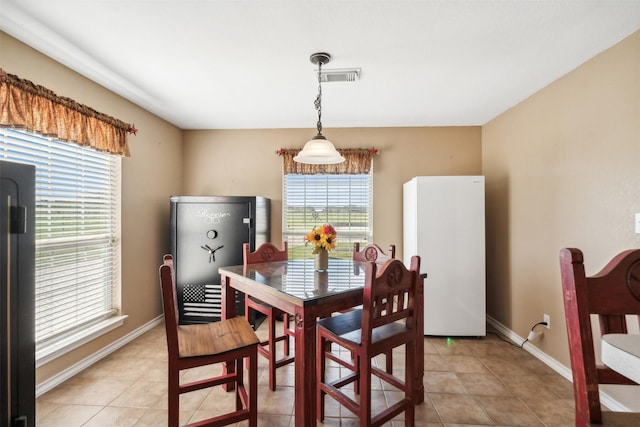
<point>318,102</point>
<point>319,150</point>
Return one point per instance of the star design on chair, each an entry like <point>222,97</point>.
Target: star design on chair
<point>633,282</point>
<point>267,253</point>
<point>371,254</point>
<point>395,275</point>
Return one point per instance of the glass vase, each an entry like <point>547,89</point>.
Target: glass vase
<point>321,260</point>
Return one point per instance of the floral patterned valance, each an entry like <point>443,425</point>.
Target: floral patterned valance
<point>357,161</point>
<point>36,109</point>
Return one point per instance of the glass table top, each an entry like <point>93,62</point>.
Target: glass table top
<point>298,277</point>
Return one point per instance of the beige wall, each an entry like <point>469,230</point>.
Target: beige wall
<point>244,163</point>
<point>562,170</point>
<point>149,176</point>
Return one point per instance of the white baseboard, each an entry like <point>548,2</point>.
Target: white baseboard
<point>62,376</point>
<point>561,369</point>
<point>535,351</point>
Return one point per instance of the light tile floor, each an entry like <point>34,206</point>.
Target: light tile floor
<point>468,381</point>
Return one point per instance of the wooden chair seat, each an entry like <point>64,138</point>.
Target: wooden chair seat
<point>613,294</point>
<point>215,338</point>
<point>343,323</point>
<point>621,352</point>
<point>195,345</point>
<point>387,320</point>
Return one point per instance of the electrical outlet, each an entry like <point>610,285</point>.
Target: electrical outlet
<point>546,318</point>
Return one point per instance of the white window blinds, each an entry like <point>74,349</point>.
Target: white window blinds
<point>77,231</point>
<point>342,200</point>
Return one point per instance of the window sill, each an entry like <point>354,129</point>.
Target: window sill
<point>53,351</point>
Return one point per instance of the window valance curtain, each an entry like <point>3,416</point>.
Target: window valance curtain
<point>36,109</point>
<point>357,161</point>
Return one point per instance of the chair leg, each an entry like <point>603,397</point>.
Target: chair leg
<point>356,363</point>
<point>364,366</point>
<point>320,378</point>
<point>410,368</point>
<point>253,389</point>
<point>239,382</point>
<point>272,349</point>
<point>247,315</point>
<point>174,397</point>
<point>285,328</point>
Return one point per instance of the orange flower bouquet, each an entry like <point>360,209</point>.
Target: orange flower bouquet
<point>322,237</point>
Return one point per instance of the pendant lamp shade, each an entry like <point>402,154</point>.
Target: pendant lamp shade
<point>319,150</point>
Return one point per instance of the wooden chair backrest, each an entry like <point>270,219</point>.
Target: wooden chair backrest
<point>611,294</point>
<point>267,252</point>
<point>373,252</point>
<point>170,304</point>
<point>389,295</point>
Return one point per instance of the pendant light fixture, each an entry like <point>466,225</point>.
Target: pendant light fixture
<point>319,150</point>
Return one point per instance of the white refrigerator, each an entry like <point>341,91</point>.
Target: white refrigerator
<point>444,223</point>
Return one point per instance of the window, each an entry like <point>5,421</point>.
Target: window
<point>77,233</point>
<point>342,200</point>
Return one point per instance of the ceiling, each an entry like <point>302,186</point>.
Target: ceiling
<point>244,64</point>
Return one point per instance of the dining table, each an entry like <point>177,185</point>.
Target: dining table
<point>295,287</point>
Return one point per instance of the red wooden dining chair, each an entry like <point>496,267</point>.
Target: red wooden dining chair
<point>372,252</point>
<point>190,346</point>
<point>388,319</point>
<point>268,252</point>
<point>611,294</point>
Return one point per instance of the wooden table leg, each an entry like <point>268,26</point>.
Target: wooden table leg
<point>305,369</point>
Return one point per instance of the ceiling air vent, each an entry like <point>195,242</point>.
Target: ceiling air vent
<point>340,75</point>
